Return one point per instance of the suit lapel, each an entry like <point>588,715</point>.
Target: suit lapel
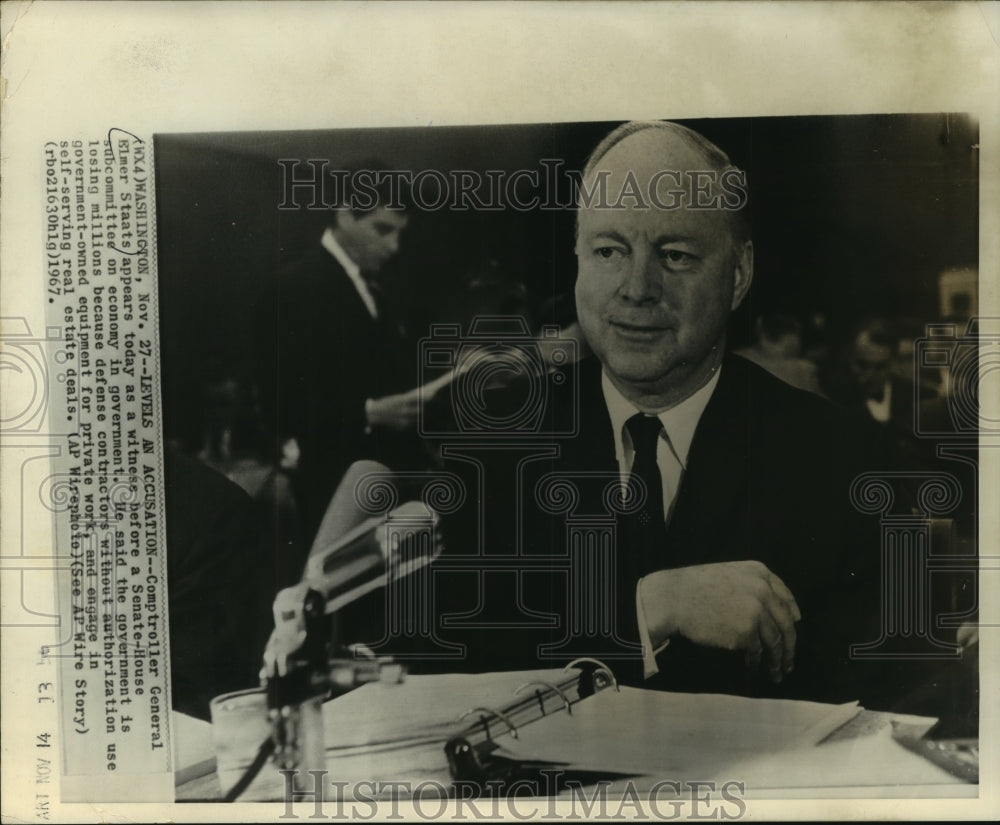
<point>593,448</point>
<point>714,488</point>
<point>587,457</point>
<point>711,502</point>
<point>347,293</point>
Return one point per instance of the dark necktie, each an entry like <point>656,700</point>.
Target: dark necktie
<point>641,535</point>
<point>646,530</point>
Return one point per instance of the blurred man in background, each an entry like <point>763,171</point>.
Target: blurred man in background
<point>336,373</point>
<point>778,349</point>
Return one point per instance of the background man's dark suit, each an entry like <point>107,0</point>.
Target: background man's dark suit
<point>218,625</point>
<point>768,478</point>
<point>322,355</point>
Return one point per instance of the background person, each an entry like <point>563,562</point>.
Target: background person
<point>777,347</point>
<point>337,373</point>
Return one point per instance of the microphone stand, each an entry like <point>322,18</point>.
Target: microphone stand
<point>299,672</point>
<point>296,679</point>
<point>299,675</point>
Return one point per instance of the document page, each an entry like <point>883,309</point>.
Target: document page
<point>638,730</point>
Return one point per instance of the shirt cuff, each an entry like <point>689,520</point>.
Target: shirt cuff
<point>649,653</point>
<point>368,419</point>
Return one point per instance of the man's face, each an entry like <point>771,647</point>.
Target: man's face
<point>655,286</point>
<point>870,365</point>
<point>371,239</point>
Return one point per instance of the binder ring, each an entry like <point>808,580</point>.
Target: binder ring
<point>553,688</point>
<point>499,714</point>
<point>602,669</point>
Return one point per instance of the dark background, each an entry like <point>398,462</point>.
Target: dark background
<point>852,215</point>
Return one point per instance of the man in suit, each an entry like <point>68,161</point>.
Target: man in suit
<point>654,291</point>
<point>746,569</point>
<point>334,366</point>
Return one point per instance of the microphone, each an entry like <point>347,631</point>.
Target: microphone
<point>343,513</point>
<point>377,551</point>
<point>355,552</point>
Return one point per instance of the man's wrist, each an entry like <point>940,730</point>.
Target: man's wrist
<point>650,649</point>
<point>659,624</point>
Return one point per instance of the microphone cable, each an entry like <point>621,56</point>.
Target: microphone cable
<point>263,754</point>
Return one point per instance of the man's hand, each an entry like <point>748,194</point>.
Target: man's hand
<point>395,412</point>
<point>967,636</point>
<point>739,605</point>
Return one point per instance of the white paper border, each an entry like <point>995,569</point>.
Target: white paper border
<point>76,69</point>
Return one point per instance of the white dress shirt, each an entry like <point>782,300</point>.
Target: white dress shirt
<point>679,423</point>
<point>881,411</point>
<point>353,271</point>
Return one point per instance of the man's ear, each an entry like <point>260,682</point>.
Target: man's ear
<point>742,272</point>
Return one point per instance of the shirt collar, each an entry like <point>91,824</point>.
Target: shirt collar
<point>679,422</point>
<point>353,271</point>
<point>330,244</point>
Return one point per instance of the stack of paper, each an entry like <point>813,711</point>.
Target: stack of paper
<point>674,734</point>
<point>399,731</point>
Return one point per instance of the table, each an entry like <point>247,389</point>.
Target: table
<point>858,760</point>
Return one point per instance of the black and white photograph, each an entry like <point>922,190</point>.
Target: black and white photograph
<point>700,419</point>
<point>464,446</point>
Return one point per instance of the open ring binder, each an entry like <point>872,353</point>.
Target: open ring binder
<point>541,700</point>
<point>602,675</point>
<point>470,753</point>
<point>499,714</point>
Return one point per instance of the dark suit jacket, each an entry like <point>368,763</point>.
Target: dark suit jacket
<point>217,634</point>
<point>321,356</point>
<point>767,478</point>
